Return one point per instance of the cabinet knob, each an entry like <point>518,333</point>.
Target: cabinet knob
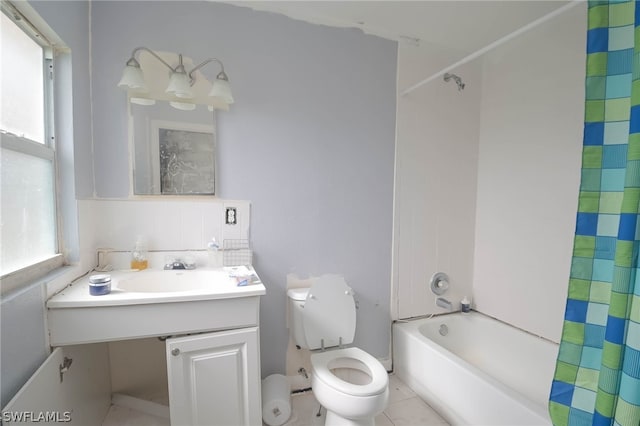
<point>175,352</point>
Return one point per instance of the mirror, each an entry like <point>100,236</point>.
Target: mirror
<point>172,140</point>
<point>173,151</point>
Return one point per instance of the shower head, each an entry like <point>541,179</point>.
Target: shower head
<point>455,78</point>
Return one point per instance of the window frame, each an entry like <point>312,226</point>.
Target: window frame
<point>46,150</point>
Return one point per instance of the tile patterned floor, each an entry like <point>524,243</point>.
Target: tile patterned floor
<point>405,408</point>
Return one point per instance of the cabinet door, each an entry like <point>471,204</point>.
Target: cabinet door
<point>214,378</point>
<point>71,387</point>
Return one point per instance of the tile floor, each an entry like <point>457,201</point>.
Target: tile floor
<point>123,416</point>
<point>405,408</point>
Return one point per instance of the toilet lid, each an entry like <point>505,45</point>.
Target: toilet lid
<point>329,313</point>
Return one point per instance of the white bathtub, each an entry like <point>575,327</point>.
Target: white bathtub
<point>482,372</point>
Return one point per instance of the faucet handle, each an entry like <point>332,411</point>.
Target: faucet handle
<point>189,262</point>
<point>439,283</point>
<point>171,263</point>
<point>176,264</point>
<point>168,261</point>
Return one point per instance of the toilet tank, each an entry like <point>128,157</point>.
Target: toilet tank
<point>296,298</point>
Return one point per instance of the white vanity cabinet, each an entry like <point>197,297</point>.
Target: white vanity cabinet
<point>214,378</point>
<point>212,347</point>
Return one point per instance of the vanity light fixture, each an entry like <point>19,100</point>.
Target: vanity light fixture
<point>221,87</point>
<point>180,82</point>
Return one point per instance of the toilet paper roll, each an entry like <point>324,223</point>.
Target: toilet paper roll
<point>276,400</point>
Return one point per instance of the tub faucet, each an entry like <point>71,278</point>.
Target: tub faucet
<point>444,303</point>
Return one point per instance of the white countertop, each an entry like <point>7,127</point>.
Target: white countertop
<point>219,283</point>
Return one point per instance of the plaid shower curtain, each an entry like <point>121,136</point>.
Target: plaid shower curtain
<point>597,377</point>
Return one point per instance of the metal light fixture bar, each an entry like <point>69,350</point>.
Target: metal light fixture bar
<point>180,82</point>
<point>133,61</point>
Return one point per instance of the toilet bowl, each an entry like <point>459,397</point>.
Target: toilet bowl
<point>350,383</point>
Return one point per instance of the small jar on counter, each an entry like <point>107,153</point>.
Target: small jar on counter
<point>99,284</point>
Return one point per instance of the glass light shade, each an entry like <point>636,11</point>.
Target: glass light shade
<point>179,85</point>
<point>221,89</point>
<point>132,78</point>
<point>184,106</point>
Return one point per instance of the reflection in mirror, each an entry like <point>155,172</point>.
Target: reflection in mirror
<point>172,137</point>
<point>173,151</point>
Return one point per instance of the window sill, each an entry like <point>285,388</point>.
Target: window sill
<point>54,281</point>
<point>19,278</point>
<point>54,278</point>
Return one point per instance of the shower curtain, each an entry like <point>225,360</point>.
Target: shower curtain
<point>597,377</point>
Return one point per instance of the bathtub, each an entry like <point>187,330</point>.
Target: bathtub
<point>480,372</point>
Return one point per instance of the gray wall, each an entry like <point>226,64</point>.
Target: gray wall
<point>23,343</point>
<point>310,142</point>
<point>70,21</point>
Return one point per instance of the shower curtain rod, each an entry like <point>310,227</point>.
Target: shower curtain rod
<point>494,44</point>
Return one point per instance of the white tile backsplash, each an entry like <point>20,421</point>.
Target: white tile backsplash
<point>190,226</point>
<point>166,224</point>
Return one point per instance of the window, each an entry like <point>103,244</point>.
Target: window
<point>28,218</point>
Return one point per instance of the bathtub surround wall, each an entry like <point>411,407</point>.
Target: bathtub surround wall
<point>529,174</point>
<point>517,129</point>
<point>436,171</point>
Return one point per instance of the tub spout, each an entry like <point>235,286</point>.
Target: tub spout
<point>444,303</point>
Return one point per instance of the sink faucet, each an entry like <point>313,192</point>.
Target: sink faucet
<point>180,264</point>
<point>444,303</point>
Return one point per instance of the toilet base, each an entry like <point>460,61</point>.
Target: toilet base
<point>332,419</point>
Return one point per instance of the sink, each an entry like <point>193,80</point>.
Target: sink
<point>155,302</point>
<point>170,281</point>
<point>159,286</point>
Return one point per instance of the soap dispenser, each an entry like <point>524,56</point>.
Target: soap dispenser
<point>215,255</point>
<point>139,254</point>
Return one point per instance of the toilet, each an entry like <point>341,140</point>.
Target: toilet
<point>351,384</point>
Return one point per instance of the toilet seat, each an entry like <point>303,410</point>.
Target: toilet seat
<point>321,367</point>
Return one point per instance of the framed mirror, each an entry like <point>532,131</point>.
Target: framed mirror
<point>173,151</point>
<point>172,139</point>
